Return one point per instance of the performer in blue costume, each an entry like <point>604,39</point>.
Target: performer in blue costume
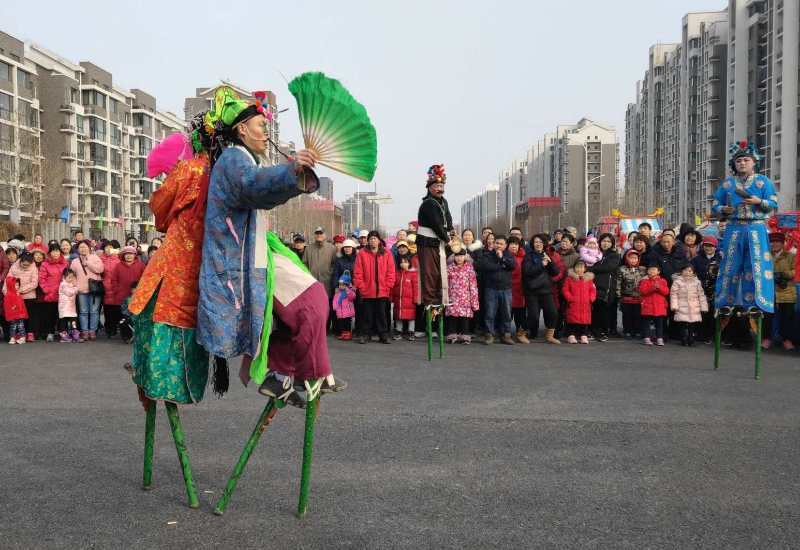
<point>745,285</point>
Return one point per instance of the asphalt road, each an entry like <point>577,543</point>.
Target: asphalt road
<point>611,445</point>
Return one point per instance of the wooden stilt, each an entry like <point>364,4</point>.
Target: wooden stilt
<point>308,446</point>
<point>149,438</point>
<point>717,341</point>
<point>441,332</point>
<point>270,409</point>
<point>757,372</point>
<point>429,331</point>
<point>183,455</point>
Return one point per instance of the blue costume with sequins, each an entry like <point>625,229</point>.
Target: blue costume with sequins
<point>745,273</point>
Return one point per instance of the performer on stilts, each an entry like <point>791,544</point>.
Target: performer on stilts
<point>248,275</point>
<point>745,285</point>
<point>434,235</point>
<point>168,364</point>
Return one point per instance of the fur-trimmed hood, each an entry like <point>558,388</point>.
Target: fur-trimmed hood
<point>588,276</point>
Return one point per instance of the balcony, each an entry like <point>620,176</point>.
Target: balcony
<point>69,155</point>
<point>67,108</point>
<point>68,128</point>
<point>68,182</point>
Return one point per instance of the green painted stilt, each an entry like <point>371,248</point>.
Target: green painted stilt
<point>270,409</point>
<point>149,437</point>
<point>717,340</point>
<point>308,447</point>
<point>183,455</point>
<point>429,331</point>
<point>758,347</point>
<point>441,334</point>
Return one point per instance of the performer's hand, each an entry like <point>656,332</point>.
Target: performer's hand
<point>752,200</point>
<point>305,158</point>
<point>727,210</point>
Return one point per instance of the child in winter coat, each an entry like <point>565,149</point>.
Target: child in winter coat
<point>706,267</point>
<point>590,252</point>
<point>67,313</point>
<point>14,310</point>
<point>687,302</point>
<point>462,283</point>
<point>405,297</point>
<point>344,304</point>
<point>519,312</point>
<point>628,278</point>
<point>579,294</point>
<point>654,291</point>
<point>24,270</point>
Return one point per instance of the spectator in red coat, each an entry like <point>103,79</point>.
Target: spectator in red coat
<point>374,279</point>
<point>518,312</point>
<point>111,312</point>
<point>405,297</point>
<point>579,294</point>
<point>654,291</point>
<point>127,274</point>
<point>50,272</point>
<point>38,244</point>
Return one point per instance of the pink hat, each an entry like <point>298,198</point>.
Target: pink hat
<point>127,250</point>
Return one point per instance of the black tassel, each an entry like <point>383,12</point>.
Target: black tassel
<point>221,377</point>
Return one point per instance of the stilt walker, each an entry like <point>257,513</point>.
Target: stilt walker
<point>248,276</point>
<point>745,286</point>
<point>434,236</point>
<point>168,365</point>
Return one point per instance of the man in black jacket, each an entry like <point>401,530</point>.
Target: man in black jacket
<point>496,267</point>
<point>433,235</point>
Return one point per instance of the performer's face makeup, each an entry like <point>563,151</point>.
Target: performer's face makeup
<point>254,133</point>
<point>745,166</point>
<point>437,189</point>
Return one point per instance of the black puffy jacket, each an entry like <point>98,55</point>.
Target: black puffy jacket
<point>535,275</point>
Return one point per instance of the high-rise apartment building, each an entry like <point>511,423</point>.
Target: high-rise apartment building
<point>763,52</point>
<point>674,130</point>
<point>733,76</point>
<point>20,134</point>
<point>481,209</point>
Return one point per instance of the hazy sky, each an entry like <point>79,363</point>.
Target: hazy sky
<point>470,84</point>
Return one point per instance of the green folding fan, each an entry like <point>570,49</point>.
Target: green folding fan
<point>335,126</point>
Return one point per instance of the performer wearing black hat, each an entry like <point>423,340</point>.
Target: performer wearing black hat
<point>433,235</point>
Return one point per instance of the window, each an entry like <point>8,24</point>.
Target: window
<point>6,137</point>
<point>5,71</point>
<point>99,205</point>
<point>114,105</point>
<point>6,167</point>
<point>97,179</point>
<point>97,129</point>
<point>28,116</point>
<point>142,120</point>
<point>6,107</point>
<point>116,160</point>
<point>80,124</point>
<point>116,185</point>
<point>98,153</point>
<point>116,136</point>
<point>25,171</point>
<point>116,208</point>
<point>74,96</point>
<point>94,98</point>
<point>24,80</point>
<point>81,150</point>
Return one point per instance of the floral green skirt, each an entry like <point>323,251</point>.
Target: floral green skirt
<point>167,362</point>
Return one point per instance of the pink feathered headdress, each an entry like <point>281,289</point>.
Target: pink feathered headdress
<point>163,158</point>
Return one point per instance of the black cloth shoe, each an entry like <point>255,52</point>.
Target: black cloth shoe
<point>276,389</point>
<point>338,385</point>
<point>602,337</point>
<point>385,339</point>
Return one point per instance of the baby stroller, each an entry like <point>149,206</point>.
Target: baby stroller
<point>126,323</point>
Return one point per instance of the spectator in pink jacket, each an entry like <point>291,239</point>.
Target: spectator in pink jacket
<point>67,313</point>
<point>88,266</point>
<point>49,280</point>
